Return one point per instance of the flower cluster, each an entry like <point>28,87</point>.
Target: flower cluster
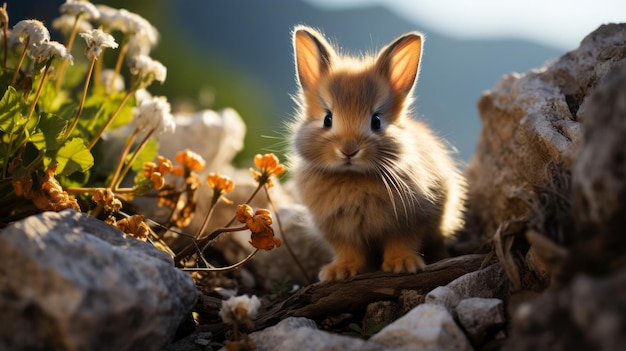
<point>189,160</point>
<point>260,224</point>
<point>154,114</point>
<point>156,171</point>
<point>268,166</point>
<point>96,41</point>
<point>219,183</point>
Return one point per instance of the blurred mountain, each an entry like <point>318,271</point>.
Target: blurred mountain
<point>256,36</point>
<point>238,53</point>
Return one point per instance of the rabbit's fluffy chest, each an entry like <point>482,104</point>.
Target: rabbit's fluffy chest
<point>351,206</point>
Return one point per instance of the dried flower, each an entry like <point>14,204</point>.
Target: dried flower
<point>190,160</point>
<point>260,224</point>
<point>96,41</point>
<point>46,194</point>
<point>65,24</point>
<point>146,70</point>
<point>104,197</point>
<point>240,309</point>
<point>32,32</point>
<point>44,52</point>
<point>219,183</point>
<point>269,166</point>
<point>82,8</point>
<point>133,226</point>
<point>154,114</point>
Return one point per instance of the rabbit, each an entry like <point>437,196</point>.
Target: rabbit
<point>381,187</point>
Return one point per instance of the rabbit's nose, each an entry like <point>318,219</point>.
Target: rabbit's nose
<point>349,153</point>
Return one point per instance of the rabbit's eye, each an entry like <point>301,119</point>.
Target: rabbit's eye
<point>375,123</point>
<point>328,119</point>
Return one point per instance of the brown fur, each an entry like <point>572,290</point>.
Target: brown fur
<point>376,195</point>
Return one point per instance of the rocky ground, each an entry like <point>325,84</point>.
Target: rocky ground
<point>541,264</point>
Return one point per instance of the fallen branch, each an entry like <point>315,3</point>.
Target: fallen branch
<point>321,300</point>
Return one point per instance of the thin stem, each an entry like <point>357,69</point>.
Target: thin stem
<point>43,78</point>
<point>216,197</point>
<point>70,44</point>
<point>19,63</point>
<point>284,235</point>
<point>120,162</point>
<point>222,269</point>
<point>129,164</point>
<point>205,240</point>
<point>82,100</point>
<point>5,29</point>
<point>118,64</point>
<point>108,123</point>
<point>212,236</point>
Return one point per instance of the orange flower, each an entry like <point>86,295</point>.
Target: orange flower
<point>260,224</point>
<point>268,165</point>
<point>190,160</point>
<point>156,172</point>
<point>220,183</point>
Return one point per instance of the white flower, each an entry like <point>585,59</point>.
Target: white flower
<point>155,114</point>
<point>106,79</point>
<point>238,309</point>
<point>43,52</point>
<point>128,23</point>
<point>32,32</point>
<point>65,23</point>
<point>146,70</point>
<point>82,8</point>
<point>97,40</point>
<point>142,95</point>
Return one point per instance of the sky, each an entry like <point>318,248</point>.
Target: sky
<point>558,23</point>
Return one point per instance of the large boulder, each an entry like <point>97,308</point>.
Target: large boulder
<point>71,282</point>
<point>532,120</point>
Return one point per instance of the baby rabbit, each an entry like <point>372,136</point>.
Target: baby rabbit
<point>380,186</point>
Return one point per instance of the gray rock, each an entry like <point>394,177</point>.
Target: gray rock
<point>444,296</point>
<point>426,327</point>
<point>487,282</point>
<point>533,119</point>
<point>71,282</point>
<point>297,333</point>
<point>479,315</point>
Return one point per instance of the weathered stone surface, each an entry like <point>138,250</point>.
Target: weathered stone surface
<point>443,296</point>
<point>71,282</point>
<point>478,315</point>
<point>532,119</point>
<point>599,176</point>
<point>487,282</point>
<point>216,135</point>
<point>426,327</point>
<point>297,333</point>
<point>586,315</point>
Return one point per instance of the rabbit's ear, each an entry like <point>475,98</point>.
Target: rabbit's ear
<point>399,62</point>
<point>313,56</point>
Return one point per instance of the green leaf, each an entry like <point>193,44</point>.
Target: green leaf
<point>149,152</point>
<point>11,118</point>
<point>99,108</point>
<point>73,156</point>
<point>49,132</point>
